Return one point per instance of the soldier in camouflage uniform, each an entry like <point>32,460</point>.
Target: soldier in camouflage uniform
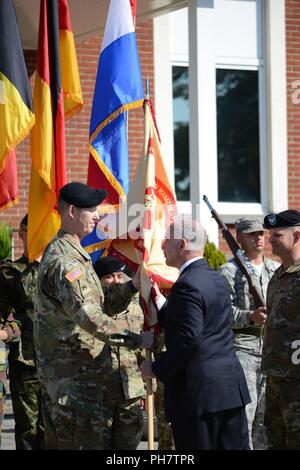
<point>9,332</point>
<point>247,320</point>
<point>281,351</point>
<point>17,291</point>
<point>70,328</point>
<point>123,386</point>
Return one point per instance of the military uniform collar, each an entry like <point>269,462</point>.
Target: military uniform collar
<point>25,260</point>
<point>293,268</point>
<point>73,241</point>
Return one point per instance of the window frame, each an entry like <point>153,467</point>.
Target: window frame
<point>258,208</point>
<point>272,108</point>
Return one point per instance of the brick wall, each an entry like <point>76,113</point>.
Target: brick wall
<point>77,128</point>
<point>293,74</point>
<point>293,108</point>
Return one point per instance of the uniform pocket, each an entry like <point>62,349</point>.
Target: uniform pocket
<point>76,394</point>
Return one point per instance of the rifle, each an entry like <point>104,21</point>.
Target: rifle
<point>239,256</point>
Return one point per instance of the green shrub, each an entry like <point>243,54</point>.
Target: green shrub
<point>213,256</point>
<point>5,241</point>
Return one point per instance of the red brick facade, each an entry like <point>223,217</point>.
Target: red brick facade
<point>293,109</point>
<point>293,74</point>
<point>77,128</point>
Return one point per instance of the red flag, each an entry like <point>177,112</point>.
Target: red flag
<point>152,196</point>
<point>133,9</point>
<point>48,152</point>
<point>16,115</point>
<point>9,182</point>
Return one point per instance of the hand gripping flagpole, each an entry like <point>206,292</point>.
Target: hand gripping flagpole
<point>149,387</point>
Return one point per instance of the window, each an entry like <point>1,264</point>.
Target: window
<point>238,135</point>
<point>181,132</point>
<point>234,155</point>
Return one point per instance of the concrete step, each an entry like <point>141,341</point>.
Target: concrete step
<point>8,429</point>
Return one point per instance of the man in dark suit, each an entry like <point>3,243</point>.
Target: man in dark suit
<point>205,387</point>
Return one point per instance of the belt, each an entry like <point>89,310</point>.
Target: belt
<point>251,330</point>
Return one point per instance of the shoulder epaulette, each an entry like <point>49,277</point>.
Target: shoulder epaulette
<point>11,265</point>
<point>6,263</point>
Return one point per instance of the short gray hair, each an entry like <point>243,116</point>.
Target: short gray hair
<point>62,205</point>
<point>184,226</point>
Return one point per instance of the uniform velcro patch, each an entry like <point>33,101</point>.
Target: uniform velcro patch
<point>74,275</point>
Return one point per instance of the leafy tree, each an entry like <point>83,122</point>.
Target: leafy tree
<point>5,241</point>
<point>213,256</point>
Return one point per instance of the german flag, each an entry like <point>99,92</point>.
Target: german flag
<point>16,115</point>
<point>69,73</point>
<point>56,68</point>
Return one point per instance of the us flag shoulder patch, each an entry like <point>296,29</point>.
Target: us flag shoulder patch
<point>74,275</point>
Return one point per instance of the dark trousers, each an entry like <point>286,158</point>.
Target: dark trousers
<point>223,430</point>
<point>283,413</point>
<point>26,402</point>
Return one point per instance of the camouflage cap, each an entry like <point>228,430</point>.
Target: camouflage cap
<point>244,225</point>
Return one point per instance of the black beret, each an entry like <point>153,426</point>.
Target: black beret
<point>82,195</point>
<point>289,218</point>
<point>108,265</point>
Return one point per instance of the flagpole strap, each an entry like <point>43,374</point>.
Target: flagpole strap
<point>150,408</point>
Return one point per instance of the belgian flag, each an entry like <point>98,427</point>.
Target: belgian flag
<point>16,114</point>
<point>57,92</point>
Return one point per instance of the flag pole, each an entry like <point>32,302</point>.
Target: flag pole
<point>150,408</point>
<point>149,387</point>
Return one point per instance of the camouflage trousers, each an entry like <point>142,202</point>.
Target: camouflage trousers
<point>26,402</point>
<point>122,424</point>
<point>283,413</point>
<point>165,436</point>
<point>255,410</point>
<point>73,413</point>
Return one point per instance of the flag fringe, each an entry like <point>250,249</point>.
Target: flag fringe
<point>108,175</point>
<point>113,116</point>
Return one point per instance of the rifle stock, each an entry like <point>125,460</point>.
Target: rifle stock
<point>238,254</point>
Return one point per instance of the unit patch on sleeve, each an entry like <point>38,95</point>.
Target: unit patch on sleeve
<point>74,275</point>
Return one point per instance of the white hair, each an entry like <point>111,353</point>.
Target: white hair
<point>184,226</point>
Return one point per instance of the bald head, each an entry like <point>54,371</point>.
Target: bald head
<point>185,227</point>
<point>185,239</point>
